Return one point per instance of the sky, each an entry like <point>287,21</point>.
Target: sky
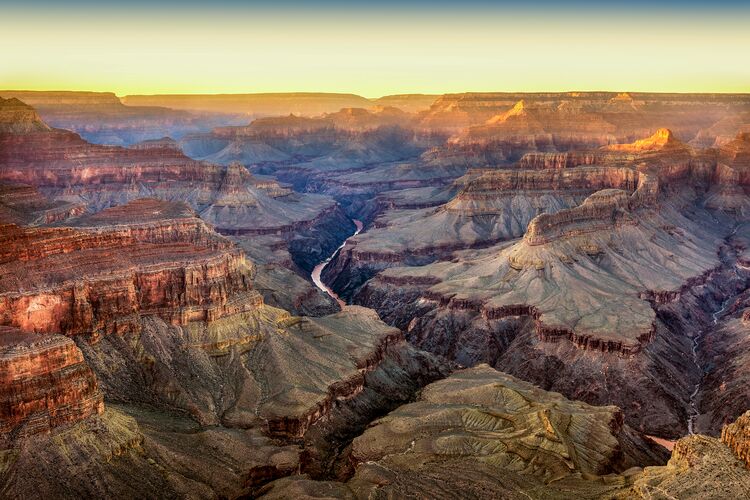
<point>374,48</point>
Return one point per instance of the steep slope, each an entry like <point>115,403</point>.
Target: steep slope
<point>44,383</point>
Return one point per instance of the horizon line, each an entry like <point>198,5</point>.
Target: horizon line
<point>326,92</point>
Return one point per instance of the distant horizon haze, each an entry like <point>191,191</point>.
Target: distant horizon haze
<point>375,50</point>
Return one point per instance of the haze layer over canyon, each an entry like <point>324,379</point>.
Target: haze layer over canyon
<point>474,295</point>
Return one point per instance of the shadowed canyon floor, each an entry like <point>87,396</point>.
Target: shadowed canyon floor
<point>470,295</point>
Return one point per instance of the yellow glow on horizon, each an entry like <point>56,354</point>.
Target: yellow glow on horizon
<point>372,55</point>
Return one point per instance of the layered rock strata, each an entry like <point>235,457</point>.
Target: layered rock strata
<point>91,277</point>
<point>101,117</point>
<point>584,276</point>
<point>483,433</point>
<point>23,205</point>
<point>44,383</point>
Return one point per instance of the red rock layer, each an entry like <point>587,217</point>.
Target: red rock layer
<point>58,159</point>
<point>44,383</point>
<point>585,179</point>
<point>548,161</point>
<point>76,280</point>
<point>296,426</point>
<point>544,332</point>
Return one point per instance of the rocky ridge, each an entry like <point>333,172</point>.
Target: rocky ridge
<point>484,434</point>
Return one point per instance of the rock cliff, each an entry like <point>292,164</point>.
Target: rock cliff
<point>44,383</point>
<point>91,277</point>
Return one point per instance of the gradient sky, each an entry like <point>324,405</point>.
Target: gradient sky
<point>374,49</point>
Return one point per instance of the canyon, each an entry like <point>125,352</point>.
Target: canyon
<point>321,295</point>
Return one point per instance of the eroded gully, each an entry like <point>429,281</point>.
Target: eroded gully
<point>694,412</point>
<point>316,272</point>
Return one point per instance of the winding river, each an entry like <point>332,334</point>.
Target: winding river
<point>319,268</point>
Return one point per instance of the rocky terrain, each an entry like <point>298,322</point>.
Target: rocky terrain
<point>64,167</point>
<point>45,384</point>
<point>627,262</point>
<point>548,288</point>
<point>483,434</point>
<point>170,330</point>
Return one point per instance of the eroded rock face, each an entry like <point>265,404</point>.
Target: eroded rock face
<point>92,277</point>
<point>620,243</point>
<point>737,436</point>
<point>170,456</point>
<point>165,314</point>
<point>44,383</point>
<point>483,433</point>
<point>617,254</point>
<point>700,467</point>
<point>488,207</point>
<point>62,165</point>
<point>581,276</point>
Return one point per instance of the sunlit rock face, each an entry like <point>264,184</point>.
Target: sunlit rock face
<point>737,436</point>
<point>44,383</point>
<point>145,257</point>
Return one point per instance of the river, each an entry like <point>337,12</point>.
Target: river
<point>319,268</point>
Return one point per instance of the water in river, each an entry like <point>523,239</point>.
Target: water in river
<point>319,268</point>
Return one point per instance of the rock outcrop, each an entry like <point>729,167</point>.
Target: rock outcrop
<point>17,117</point>
<point>661,139</point>
<point>44,383</point>
<point>700,467</point>
<point>483,433</point>
<point>148,257</point>
<point>737,436</point>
